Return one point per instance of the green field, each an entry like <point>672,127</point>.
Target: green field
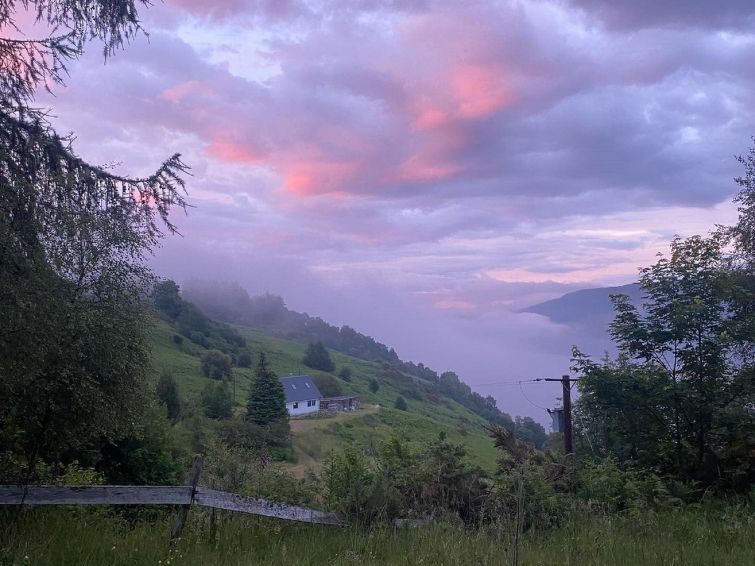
<point>695,536</point>
<point>313,440</point>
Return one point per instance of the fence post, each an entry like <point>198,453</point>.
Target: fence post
<point>191,480</point>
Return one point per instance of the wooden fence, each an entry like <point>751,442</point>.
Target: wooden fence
<point>183,496</point>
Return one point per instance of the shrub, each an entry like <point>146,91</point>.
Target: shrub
<point>244,359</point>
<point>412,393</point>
<point>217,401</point>
<point>167,393</point>
<point>317,357</point>
<point>356,491</point>
<point>150,456</point>
<point>345,374</point>
<point>216,364</point>
<point>178,339</point>
<point>374,385</point>
<point>327,384</point>
<point>400,403</point>
<point>617,489</point>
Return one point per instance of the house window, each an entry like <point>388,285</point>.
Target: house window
<point>311,403</point>
<point>296,404</point>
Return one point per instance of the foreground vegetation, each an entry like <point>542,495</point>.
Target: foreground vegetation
<point>707,534</point>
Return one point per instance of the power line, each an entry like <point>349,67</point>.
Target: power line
<point>510,382</point>
<point>528,399</point>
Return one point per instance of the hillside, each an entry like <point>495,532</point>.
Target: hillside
<point>586,307</point>
<point>428,411</point>
<point>269,314</point>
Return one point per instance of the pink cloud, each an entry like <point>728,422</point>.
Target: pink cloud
<point>231,152</point>
<point>307,178</point>
<point>180,91</point>
<point>422,169</point>
<point>480,90</point>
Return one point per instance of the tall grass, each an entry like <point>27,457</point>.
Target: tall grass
<point>693,536</point>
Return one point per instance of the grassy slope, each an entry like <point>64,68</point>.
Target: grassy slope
<point>317,437</point>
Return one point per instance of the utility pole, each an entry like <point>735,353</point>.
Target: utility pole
<point>566,386</point>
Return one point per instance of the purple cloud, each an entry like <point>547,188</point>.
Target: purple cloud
<point>451,161</point>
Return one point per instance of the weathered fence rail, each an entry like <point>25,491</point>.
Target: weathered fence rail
<point>94,495</point>
<point>183,496</point>
<point>232,502</point>
<point>160,495</point>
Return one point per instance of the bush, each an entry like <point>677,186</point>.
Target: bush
<point>244,359</point>
<point>317,357</point>
<point>617,489</point>
<point>356,491</point>
<point>216,401</point>
<point>374,385</point>
<point>167,393</point>
<point>253,472</point>
<point>345,374</point>
<point>327,384</point>
<point>150,456</point>
<point>178,339</point>
<point>216,364</point>
<point>412,393</point>
<point>400,403</point>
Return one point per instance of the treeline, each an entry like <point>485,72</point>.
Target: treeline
<point>231,303</point>
<point>191,323</point>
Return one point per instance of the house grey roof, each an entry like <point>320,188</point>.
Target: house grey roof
<point>299,388</point>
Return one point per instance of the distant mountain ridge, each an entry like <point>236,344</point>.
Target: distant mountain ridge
<point>586,306</point>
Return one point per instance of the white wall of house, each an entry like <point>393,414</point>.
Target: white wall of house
<point>303,407</point>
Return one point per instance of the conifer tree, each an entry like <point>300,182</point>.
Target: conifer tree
<point>267,400</point>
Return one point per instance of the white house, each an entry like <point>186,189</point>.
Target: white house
<point>302,395</point>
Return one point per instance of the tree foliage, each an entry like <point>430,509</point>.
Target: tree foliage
<point>328,385</point>
<point>680,396</point>
<point>317,357</point>
<point>400,480</point>
<point>216,365</point>
<point>217,401</point>
<point>244,359</point>
<point>73,354</point>
<point>267,399</point>
<point>167,393</point>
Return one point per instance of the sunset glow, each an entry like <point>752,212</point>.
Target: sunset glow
<point>452,161</point>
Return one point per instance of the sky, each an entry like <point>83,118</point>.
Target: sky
<point>421,170</point>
